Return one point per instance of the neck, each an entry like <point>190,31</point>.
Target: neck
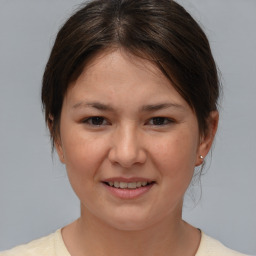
<point>170,237</point>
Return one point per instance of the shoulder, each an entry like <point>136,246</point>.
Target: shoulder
<point>211,247</point>
<point>51,245</point>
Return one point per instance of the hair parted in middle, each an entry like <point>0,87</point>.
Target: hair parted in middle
<point>160,31</point>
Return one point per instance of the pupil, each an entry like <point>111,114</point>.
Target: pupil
<point>158,120</point>
<point>97,120</point>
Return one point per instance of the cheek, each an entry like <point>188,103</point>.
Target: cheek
<point>175,156</point>
<point>83,156</point>
<point>83,162</point>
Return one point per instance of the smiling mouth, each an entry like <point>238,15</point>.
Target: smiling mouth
<point>128,185</point>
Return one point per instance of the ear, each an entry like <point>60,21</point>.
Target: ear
<point>57,139</point>
<point>207,138</point>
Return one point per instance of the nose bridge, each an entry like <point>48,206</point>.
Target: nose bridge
<point>127,148</point>
<point>128,140</point>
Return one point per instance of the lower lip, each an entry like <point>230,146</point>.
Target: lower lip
<point>125,193</point>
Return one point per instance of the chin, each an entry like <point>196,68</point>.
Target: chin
<point>131,221</point>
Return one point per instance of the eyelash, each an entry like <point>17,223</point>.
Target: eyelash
<point>91,119</point>
<point>165,120</point>
<point>101,121</point>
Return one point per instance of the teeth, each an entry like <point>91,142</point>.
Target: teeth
<point>130,185</point>
<point>144,183</point>
<point>138,184</point>
<point>116,184</point>
<point>123,185</point>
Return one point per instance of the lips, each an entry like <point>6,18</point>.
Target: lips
<point>129,185</point>
<point>128,188</point>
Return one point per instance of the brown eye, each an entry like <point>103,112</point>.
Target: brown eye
<point>158,121</point>
<point>95,120</point>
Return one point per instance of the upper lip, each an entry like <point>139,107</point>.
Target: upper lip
<point>128,180</point>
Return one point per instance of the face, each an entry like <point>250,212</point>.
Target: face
<point>129,141</point>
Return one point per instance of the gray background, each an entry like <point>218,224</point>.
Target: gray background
<point>35,196</point>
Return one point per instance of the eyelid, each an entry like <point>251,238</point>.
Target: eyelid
<point>169,121</point>
<point>160,121</point>
<point>90,118</point>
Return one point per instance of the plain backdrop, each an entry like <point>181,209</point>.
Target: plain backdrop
<point>35,196</point>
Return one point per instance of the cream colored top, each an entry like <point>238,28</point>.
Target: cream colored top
<point>53,245</point>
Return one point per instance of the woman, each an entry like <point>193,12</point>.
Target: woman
<point>130,95</point>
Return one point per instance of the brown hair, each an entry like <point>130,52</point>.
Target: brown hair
<point>161,31</point>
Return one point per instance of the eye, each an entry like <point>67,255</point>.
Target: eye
<point>158,121</point>
<point>96,121</point>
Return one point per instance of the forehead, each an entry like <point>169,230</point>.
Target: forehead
<point>121,61</point>
<point>120,65</point>
<point>122,80</point>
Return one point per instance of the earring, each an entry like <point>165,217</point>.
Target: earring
<point>201,157</point>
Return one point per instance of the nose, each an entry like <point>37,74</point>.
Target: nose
<point>126,147</point>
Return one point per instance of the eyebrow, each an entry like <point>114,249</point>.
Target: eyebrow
<point>96,105</point>
<point>145,108</point>
<point>155,107</point>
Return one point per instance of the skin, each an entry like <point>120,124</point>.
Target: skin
<point>129,141</point>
